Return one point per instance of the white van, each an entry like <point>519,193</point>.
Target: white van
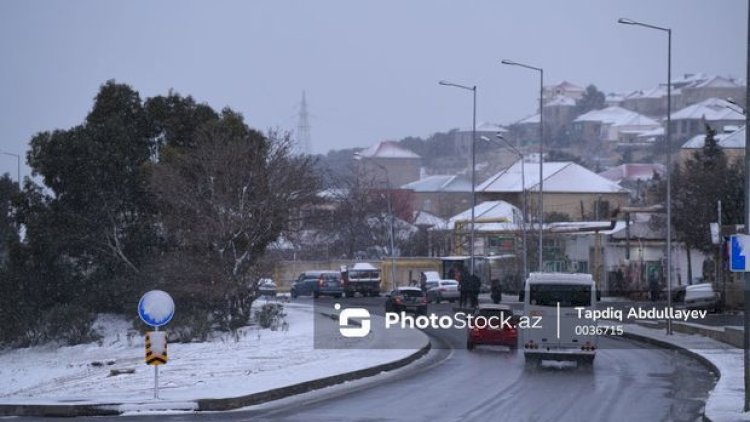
<point>560,335</point>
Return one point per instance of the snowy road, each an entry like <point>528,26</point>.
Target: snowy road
<point>452,384</point>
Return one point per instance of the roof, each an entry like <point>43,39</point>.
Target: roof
<point>734,140</point>
<point>657,92</point>
<point>530,119</point>
<point>489,216</point>
<point>440,183</point>
<point>561,278</point>
<point>424,218</point>
<point>363,266</point>
<point>711,109</point>
<point>717,82</point>
<point>566,86</point>
<point>560,177</point>
<point>617,116</point>
<point>633,172</point>
<point>387,149</point>
<point>561,100</point>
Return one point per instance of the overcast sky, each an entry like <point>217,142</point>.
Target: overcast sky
<point>370,67</point>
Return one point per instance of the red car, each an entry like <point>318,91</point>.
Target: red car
<point>493,324</point>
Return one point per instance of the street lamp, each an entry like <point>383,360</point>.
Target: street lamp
<point>523,186</point>
<point>18,166</point>
<point>541,152</point>
<point>358,157</point>
<point>473,89</point>
<point>668,145</point>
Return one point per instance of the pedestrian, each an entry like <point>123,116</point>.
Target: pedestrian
<point>653,284</point>
<point>463,288</point>
<point>474,287</point>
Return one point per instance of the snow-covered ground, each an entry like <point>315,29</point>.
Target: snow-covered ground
<point>225,367</point>
<point>726,401</point>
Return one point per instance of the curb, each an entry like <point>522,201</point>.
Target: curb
<point>687,352</point>
<point>114,409</point>
<point>58,410</point>
<point>304,387</point>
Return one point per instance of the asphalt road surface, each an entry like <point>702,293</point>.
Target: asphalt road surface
<point>627,382</point>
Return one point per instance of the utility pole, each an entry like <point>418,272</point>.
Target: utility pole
<point>746,276</point>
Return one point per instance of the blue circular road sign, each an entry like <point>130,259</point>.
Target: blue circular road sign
<point>156,308</point>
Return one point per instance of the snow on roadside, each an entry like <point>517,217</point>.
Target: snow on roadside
<point>726,401</point>
<point>260,360</point>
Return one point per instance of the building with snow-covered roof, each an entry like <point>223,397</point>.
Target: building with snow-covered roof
<point>564,88</point>
<point>497,226</point>
<point>732,143</point>
<point>710,86</point>
<point>715,112</point>
<point>569,189</point>
<point>651,102</point>
<point>558,113</point>
<point>612,124</point>
<point>462,138</point>
<point>387,164</point>
<point>442,195</point>
<point>633,172</point>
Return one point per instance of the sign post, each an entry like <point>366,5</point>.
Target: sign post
<point>156,308</point>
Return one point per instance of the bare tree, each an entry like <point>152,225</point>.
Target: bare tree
<point>222,202</point>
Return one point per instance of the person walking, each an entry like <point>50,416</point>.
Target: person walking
<point>474,287</point>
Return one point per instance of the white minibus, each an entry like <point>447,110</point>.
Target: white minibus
<point>556,332</point>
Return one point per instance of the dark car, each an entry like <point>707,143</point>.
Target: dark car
<point>497,326</point>
<point>317,283</point>
<point>406,299</point>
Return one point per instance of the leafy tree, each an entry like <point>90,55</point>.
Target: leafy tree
<point>705,179</point>
<point>592,99</point>
<point>8,227</point>
<point>97,175</point>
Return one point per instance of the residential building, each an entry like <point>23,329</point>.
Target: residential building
<point>732,143</point>
<point>565,89</point>
<point>612,125</point>
<point>570,190</point>
<point>387,164</point>
<point>441,195</point>
<point>715,112</point>
<point>652,102</point>
<point>706,86</point>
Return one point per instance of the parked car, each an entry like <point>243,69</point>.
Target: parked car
<point>440,290</point>
<point>266,287</point>
<point>701,296</point>
<point>494,333</point>
<point>317,283</point>
<point>406,299</point>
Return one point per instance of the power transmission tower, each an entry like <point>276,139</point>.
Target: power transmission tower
<point>303,128</point>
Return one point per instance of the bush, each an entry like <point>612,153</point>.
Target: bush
<point>270,315</point>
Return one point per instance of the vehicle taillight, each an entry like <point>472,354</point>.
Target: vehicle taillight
<point>424,300</point>
<point>397,299</point>
<point>588,347</point>
<point>443,289</point>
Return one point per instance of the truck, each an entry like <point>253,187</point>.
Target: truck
<point>362,277</point>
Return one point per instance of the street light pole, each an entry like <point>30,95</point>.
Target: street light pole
<point>473,89</point>
<point>18,166</point>
<point>541,153</point>
<point>668,148</point>
<point>525,204</point>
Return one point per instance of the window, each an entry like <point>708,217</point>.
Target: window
<point>568,295</point>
